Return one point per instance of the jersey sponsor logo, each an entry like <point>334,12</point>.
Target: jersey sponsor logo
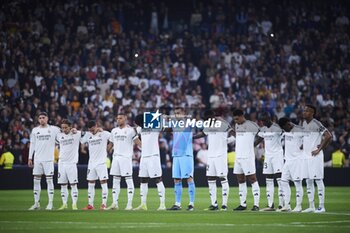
<point>43,137</point>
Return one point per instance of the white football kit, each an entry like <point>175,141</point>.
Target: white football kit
<point>217,150</point>
<point>245,156</point>
<point>122,139</point>
<point>97,144</point>
<point>150,165</point>
<point>313,137</point>
<point>272,136</point>
<point>68,157</point>
<point>42,148</point>
<point>293,169</point>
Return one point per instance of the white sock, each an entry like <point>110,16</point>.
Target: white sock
<point>280,191</point>
<point>91,193</point>
<point>50,189</point>
<point>321,193</point>
<point>242,189</point>
<point>310,189</point>
<point>130,185</point>
<point>116,189</point>
<point>212,191</point>
<point>161,192</point>
<point>256,193</point>
<point>64,194</point>
<point>286,192</point>
<point>143,192</point>
<point>270,189</point>
<point>104,193</point>
<point>299,192</point>
<point>225,191</point>
<point>37,189</point>
<point>74,193</point>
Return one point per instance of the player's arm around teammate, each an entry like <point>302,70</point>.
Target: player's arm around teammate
<point>97,169</point>
<point>150,165</point>
<point>244,166</point>
<point>271,134</point>
<point>217,167</point>
<point>294,161</point>
<point>68,141</point>
<point>122,137</point>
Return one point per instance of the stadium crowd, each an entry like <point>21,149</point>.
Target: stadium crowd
<point>86,61</point>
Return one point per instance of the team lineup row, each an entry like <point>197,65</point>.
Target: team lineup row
<point>301,158</point>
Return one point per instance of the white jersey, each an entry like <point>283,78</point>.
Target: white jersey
<point>245,136</point>
<point>273,140</point>
<point>69,147</point>
<point>97,144</point>
<point>293,142</point>
<point>122,139</point>
<point>217,140</point>
<point>149,142</point>
<point>313,137</point>
<point>42,143</point>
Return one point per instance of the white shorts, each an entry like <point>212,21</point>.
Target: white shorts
<point>121,166</point>
<point>97,172</point>
<point>217,166</point>
<point>244,166</point>
<point>150,167</point>
<point>43,168</point>
<point>67,172</point>
<point>273,164</point>
<point>315,167</point>
<point>294,170</point>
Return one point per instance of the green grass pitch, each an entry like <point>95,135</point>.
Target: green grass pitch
<point>14,216</point>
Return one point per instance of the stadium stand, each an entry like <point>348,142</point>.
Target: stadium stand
<point>89,60</point>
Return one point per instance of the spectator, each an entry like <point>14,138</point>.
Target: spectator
<point>67,61</point>
<point>338,159</point>
<point>7,158</point>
